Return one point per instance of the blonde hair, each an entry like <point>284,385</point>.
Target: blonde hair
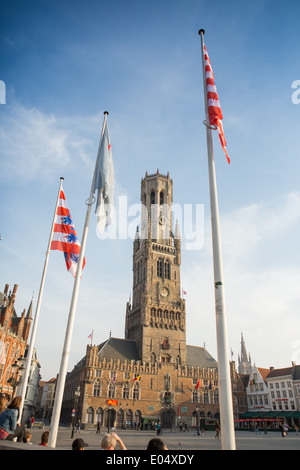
<point>108,441</point>
<point>15,403</point>
<point>3,402</point>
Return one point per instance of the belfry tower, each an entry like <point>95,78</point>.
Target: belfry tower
<point>155,318</point>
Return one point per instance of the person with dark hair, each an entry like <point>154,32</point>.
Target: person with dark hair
<point>79,444</point>
<point>9,418</point>
<point>156,444</point>
<point>44,439</point>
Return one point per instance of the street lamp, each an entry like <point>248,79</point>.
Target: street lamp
<point>197,411</point>
<point>13,380</point>
<point>74,411</point>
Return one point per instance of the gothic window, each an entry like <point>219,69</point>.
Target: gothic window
<point>128,417</point>
<point>160,268</point>
<point>120,418</point>
<point>161,198</point>
<point>136,392</point>
<point>216,397</point>
<point>165,358</point>
<point>125,392</point>
<point>90,415</point>
<point>167,270</point>
<point>205,396</point>
<point>99,415</point>
<point>137,417</point>
<point>111,391</point>
<point>152,197</point>
<point>153,358</point>
<point>195,395</point>
<point>97,388</point>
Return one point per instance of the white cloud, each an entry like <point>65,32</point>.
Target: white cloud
<point>38,144</point>
<point>261,280</point>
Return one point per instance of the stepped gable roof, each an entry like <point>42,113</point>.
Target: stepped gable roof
<point>116,348</point>
<point>200,357</point>
<point>263,372</point>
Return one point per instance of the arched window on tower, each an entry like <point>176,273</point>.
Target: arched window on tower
<point>161,198</point>
<point>167,269</point>
<point>160,268</point>
<point>153,358</point>
<point>152,197</point>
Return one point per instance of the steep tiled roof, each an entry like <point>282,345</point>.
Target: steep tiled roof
<point>117,348</point>
<point>200,357</point>
<point>280,372</point>
<point>263,372</point>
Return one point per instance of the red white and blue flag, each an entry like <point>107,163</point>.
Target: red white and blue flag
<point>213,103</point>
<point>64,236</point>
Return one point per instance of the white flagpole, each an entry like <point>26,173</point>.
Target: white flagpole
<point>225,393</point>
<point>68,335</point>
<point>37,311</point>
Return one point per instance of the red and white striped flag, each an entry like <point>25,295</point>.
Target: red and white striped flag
<point>64,236</point>
<point>214,107</point>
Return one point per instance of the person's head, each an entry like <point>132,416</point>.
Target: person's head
<point>79,444</point>
<point>45,437</point>
<point>108,442</point>
<point>15,403</point>
<point>156,444</point>
<point>28,436</point>
<point>3,402</point>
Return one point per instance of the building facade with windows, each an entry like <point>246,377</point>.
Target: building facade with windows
<point>151,374</point>
<point>14,333</point>
<point>282,390</point>
<point>257,390</point>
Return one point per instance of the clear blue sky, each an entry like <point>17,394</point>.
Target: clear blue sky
<point>65,63</point>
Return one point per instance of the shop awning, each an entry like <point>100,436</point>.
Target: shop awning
<point>252,415</point>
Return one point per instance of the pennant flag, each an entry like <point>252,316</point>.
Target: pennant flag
<point>137,378</point>
<point>64,235</point>
<point>213,103</point>
<point>198,384</point>
<point>90,336</point>
<point>183,292</point>
<point>104,183</point>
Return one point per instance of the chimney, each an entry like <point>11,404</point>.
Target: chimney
<point>6,289</point>
<point>271,368</point>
